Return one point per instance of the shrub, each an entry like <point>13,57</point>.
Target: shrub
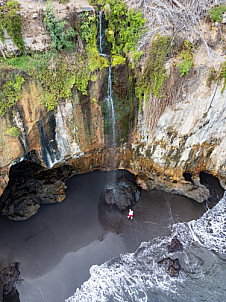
<point>187,56</point>
<point>211,77</point>
<point>61,38</point>
<point>117,60</point>
<point>217,12</point>
<point>11,21</point>
<point>13,131</point>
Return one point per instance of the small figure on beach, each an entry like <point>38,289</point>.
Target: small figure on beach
<point>130,214</point>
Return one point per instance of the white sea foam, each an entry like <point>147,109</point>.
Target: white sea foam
<point>138,277</point>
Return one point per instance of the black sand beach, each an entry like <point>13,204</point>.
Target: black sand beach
<point>57,247</point>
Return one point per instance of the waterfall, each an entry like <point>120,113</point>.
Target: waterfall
<point>109,97</point>
<point>48,150</point>
<point>100,33</point>
<point>19,123</point>
<point>111,111</point>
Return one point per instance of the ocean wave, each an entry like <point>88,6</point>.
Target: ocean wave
<point>138,277</point>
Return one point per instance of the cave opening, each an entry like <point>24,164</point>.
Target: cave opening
<point>188,177</point>
<point>213,185</point>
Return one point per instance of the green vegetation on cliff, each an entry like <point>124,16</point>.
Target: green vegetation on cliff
<point>58,71</point>
<point>219,75</point>
<point>11,91</point>
<point>187,58</point>
<point>57,82</point>
<point>217,12</point>
<point>223,75</point>
<point>12,131</point>
<point>88,32</point>
<point>152,79</point>
<point>60,37</point>
<point>56,74</point>
<point>124,27</point>
<point>11,21</point>
<point>212,77</point>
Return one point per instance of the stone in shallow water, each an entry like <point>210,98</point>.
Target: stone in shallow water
<point>175,246</point>
<point>172,265</point>
<point>123,193</point>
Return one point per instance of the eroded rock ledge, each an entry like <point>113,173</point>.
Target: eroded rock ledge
<point>30,185</point>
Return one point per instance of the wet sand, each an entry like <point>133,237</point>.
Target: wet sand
<point>57,247</point>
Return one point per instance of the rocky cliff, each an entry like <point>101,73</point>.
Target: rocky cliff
<point>166,143</point>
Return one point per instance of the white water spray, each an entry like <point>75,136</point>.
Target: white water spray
<point>137,276</point>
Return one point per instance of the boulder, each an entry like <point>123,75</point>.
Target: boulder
<point>123,193</point>
<point>175,246</point>
<point>8,277</point>
<point>172,266</point>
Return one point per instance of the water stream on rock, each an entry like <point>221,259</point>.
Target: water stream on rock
<point>109,98</point>
<point>100,34</point>
<point>111,111</point>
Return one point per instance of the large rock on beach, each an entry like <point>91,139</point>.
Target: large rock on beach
<point>8,277</point>
<point>30,185</point>
<point>123,193</point>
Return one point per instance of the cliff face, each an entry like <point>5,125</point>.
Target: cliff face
<point>166,144</point>
<point>189,137</point>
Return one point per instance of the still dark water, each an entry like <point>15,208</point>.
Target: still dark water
<point>64,243</point>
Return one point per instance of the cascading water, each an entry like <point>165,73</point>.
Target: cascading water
<point>137,276</point>
<point>111,110</point>
<point>19,123</point>
<point>100,34</point>
<point>109,97</point>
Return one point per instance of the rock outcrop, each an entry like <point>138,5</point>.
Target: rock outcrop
<point>8,277</point>
<point>175,246</point>
<point>172,266</point>
<point>123,193</point>
<point>30,186</point>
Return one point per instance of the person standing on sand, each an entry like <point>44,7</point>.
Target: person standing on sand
<point>130,214</point>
